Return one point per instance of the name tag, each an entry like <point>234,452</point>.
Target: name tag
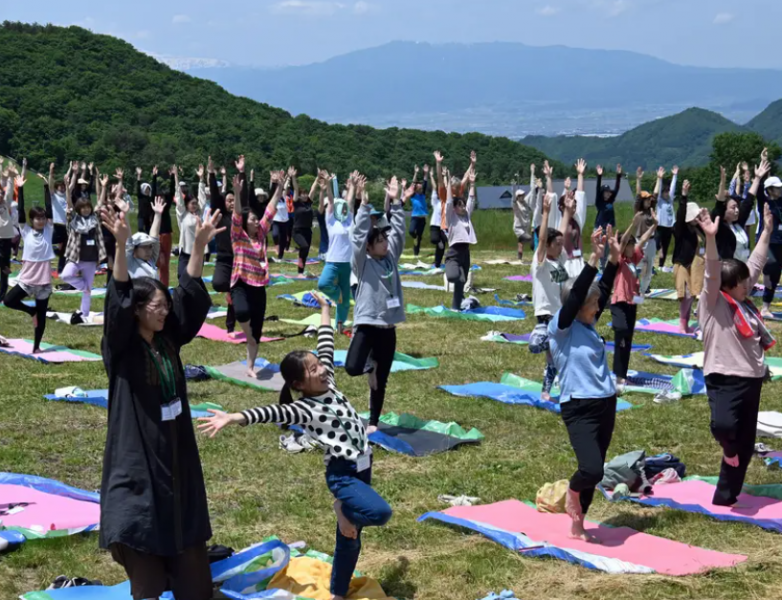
<point>393,302</point>
<point>576,253</point>
<point>171,411</point>
<point>638,299</point>
<point>364,461</point>
<point>702,251</point>
<point>90,242</point>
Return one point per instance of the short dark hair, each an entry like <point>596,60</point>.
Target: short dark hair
<point>246,215</point>
<point>144,289</point>
<point>631,240</point>
<point>36,212</point>
<point>459,201</point>
<point>81,203</point>
<point>374,235</point>
<point>293,370</point>
<point>732,273</point>
<point>552,235</point>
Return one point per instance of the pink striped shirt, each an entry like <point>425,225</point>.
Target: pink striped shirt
<point>250,264</point>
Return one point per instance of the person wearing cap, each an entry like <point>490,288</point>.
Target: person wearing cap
<point>733,212</point>
<point>522,214</point>
<point>420,210</point>
<point>144,197</point>
<point>143,249</point>
<point>644,203</point>
<point>666,216</point>
<point>377,248</point>
<point>771,194</point>
<point>688,263</point>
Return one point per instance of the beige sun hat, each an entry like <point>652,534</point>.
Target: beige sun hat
<point>693,210</point>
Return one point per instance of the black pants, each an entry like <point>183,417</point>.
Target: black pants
<point>59,242</point>
<point>457,267</point>
<point>280,237</point>
<point>590,425</point>
<point>664,235</point>
<point>13,299</point>
<point>772,272</point>
<point>439,240</point>
<point>623,322</point>
<point>303,240</point>
<point>378,343</point>
<point>6,245</point>
<point>734,403</point>
<point>289,232</point>
<point>184,260</point>
<point>221,282</point>
<point>249,304</point>
<point>417,227</point>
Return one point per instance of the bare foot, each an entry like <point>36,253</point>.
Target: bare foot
<point>37,350</point>
<point>732,461</point>
<point>346,528</point>
<point>337,597</point>
<point>371,429</point>
<point>251,373</point>
<point>573,505</point>
<point>577,532</point>
<point>545,396</point>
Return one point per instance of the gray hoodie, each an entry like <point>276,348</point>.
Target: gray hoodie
<point>379,298</point>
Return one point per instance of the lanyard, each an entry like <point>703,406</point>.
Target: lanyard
<point>165,372</point>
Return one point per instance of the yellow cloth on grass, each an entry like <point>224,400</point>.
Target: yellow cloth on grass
<point>311,578</point>
<point>551,497</point>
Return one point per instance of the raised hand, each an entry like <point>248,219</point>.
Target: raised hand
<point>599,170</point>
<point>236,182</point>
<point>472,176</point>
<point>660,172</point>
<point>292,172</point>
<point>409,191</point>
<point>173,170</point>
<point>89,166</point>
<point>159,206</point>
<point>138,172</point>
<point>546,203</point>
<point>686,188</point>
<point>438,156</point>
<point>20,181</point>
<point>764,154</point>
<point>675,169</point>
<point>598,242</point>
<point>618,169</point>
<point>548,171</point>
<point>639,172</point>
<point>581,166</point>
<point>240,163</point>
<point>104,180</point>
<point>154,170</point>
<point>200,171</point>
<point>222,171</point>
<point>614,245</point>
<point>210,165</point>
<point>417,169</point>
<point>570,202</point>
<point>473,158</point>
<point>708,226</point>
<point>207,229</point>
<point>762,170</point>
<point>532,169</point>
<point>392,189</point>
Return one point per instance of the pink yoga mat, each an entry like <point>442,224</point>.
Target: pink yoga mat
<point>47,512</point>
<point>218,334</point>
<point>25,349</point>
<point>664,556</point>
<point>519,278</point>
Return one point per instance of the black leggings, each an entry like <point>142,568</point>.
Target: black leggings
<point>221,282</point>
<point>280,237</point>
<point>60,242</point>
<point>249,304</point>
<point>734,403</point>
<point>289,232</point>
<point>439,240</point>
<point>664,235</point>
<point>623,317</point>
<point>457,267</point>
<point>378,343</point>
<point>13,299</point>
<point>417,227</point>
<point>303,240</point>
<point>5,265</point>
<point>590,425</point>
<point>772,272</point>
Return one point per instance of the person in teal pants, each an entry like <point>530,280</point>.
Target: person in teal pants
<point>334,281</point>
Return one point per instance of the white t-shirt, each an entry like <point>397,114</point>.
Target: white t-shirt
<point>37,244</point>
<point>59,209</point>
<point>282,212</point>
<point>742,243</point>
<point>340,248</point>
<point>437,214</point>
<point>547,281</point>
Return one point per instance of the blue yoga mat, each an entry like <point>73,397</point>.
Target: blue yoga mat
<point>508,394</point>
<point>100,398</point>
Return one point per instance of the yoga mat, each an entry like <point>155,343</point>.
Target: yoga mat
<point>420,273</point>
<point>696,360</point>
<point>770,424</point>
<point>267,378</point>
<point>55,509</point>
<point>216,312</point>
<point>500,261</point>
<point>92,320</point>
<point>50,354</point>
<point>521,528</point>
<point>512,303</point>
<point>512,338</point>
<point>100,398</point>
<point>519,278</point>
<point>416,265</point>
<point>96,292</point>
<point>663,327</point>
<point>662,294</point>
<point>307,299</point>
<point>696,496</point>
<point>313,321</point>
<point>218,334</point>
<point>492,314</point>
<point>420,285</point>
<point>402,362</point>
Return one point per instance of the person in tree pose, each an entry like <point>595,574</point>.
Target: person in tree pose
<point>604,202</point>
<point>188,209</point>
<point>35,279</point>
<point>154,515</point>
<point>329,417</point>
<point>644,203</point>
<point>588,395</point>
<point>735,340</point>
<point>665,213</point>
<point>420,210</point>
<point>436,232</point>
<point>572,211</point>
<point>302,218</point>
<point>687,257</point>
<point>145,199</point>
<point>164,237</point>
<point>522,213</point>
<point>58,192</point>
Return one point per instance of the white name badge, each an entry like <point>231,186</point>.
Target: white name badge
<point>90,242</point>
<point>638,299</point>
<point>171,411</point>
<point>364,461</point>
<point>576,253</point>
<point>702,251</point>
<point>393,302</point>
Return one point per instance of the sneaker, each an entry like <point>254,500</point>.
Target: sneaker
<point>667,397</point>
<point>64,287</point>
<point>60,582</point>
<point>620,388</point>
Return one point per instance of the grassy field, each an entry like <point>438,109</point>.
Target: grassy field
<point>256,490</point>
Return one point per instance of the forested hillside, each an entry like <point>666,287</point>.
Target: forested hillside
<point>68,93</point>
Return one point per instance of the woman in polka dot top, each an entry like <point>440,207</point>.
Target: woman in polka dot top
<point>328,417</point>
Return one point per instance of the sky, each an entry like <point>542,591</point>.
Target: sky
<point>710,33</point>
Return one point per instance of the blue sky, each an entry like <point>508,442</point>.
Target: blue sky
<point>715,33</point>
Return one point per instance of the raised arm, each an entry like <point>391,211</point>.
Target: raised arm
<point>158,207</point>
<point>567,214</point>
<point>713,275</point>
<point>543,235</point>
<point>548,171</point>
<point>658,187</point>
<point>639,174</point>
<point>578,293</point>
<point>681,211</point>
<point>438,159</point>
<point>360,234</point>
<point>581,166</point>
<point>599,200</point>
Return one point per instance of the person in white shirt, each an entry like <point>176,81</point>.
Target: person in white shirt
<point>60,212</point>
<point>7,231</point>
<point>188,210</point>
<point>522,213</point>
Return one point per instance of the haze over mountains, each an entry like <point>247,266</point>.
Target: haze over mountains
<point>500,88</point>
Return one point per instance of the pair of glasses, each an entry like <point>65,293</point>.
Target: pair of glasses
<point>158,308</point>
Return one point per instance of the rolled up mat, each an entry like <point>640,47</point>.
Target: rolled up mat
<point>696,497</point>
<point>50,353</point>
<point>493,314</point>
<point>521,528</point>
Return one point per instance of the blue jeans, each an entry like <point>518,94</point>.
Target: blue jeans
<point>324,233</point>
<point>362,506</point>
<point>335,283</point>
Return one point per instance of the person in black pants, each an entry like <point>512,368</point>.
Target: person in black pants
<point>770,193</point>
<point>588,394</point>
<point>302,219</point>
<point>224,259</point>
<point>7,234</point>
<point>144,196</point>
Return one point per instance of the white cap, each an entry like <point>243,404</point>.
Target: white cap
<point>141,239</point>
<point>693,210</point>
<point>146,189</point>
<point>83,182</point>
<point>773,182</point>
<point>519,192</point>
<point>183,184</point>
<point>260,192</point>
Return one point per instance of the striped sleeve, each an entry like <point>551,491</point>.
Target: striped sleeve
<point>297,413</point>
<point>326,347</point>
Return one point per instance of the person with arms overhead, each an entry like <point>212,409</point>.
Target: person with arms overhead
<point>420,210</point>
<point>166,229</point>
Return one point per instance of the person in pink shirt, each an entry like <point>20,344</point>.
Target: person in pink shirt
<point>735,340</point>
<point>627,296</point>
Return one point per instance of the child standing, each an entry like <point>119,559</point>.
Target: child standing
<point>329,417</point>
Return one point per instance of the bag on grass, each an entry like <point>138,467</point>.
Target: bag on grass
<point>551,497</point>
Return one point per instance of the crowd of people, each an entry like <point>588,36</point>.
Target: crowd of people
<point>154,516</point>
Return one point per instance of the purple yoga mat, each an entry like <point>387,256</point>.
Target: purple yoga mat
<point>519,278</point>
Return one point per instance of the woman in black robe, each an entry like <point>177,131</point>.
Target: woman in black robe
<point>154,516</point>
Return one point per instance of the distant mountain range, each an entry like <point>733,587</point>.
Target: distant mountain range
<point>500,88</point>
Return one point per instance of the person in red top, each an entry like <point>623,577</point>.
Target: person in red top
<point>627,297</point>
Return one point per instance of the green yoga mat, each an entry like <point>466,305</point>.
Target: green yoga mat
<point>408,421</point>
<point>448,313</point>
